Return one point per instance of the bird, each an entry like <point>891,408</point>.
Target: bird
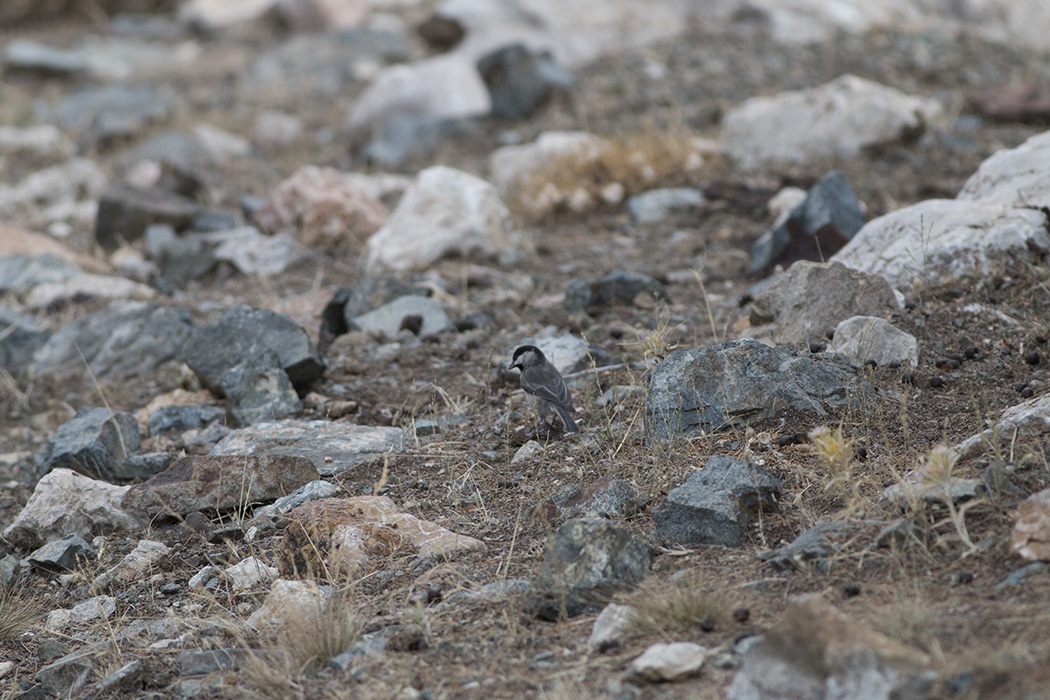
<point>543,380</point>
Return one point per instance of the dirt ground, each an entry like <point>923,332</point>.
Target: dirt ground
<point>941,597</point>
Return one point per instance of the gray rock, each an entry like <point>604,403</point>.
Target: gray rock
<point>332,447</point>
<point>122,678</point>
<point>144,466</point>
<point>604,498</point>
<point>578,297</point>
<point>304,494</point>
<point>809,300</point>
<point>668,662</point>
<point>183,418</point>
<point>25,56</point>
<point>812,547</point>
<point>125,339</point>
<point>1031,417</point>
<point>586,562</point>
<point>615,288</point>
<point>252,253</point>
<point>9,567</point>
<point>20,337</point>
<point>124,213</point>
<point>1018,577</point>
<point>65,502</point>
<point>435,426</point>
<point>695,392</point>
<point>258,390</point>
<point>63,555</point>
<point>821,224</point>
<point>656,205</point>
<point>93,443</point>
<point>863,339</point>
<point>179,259</point>
<point>390,318</point>
<point>569,353</point>
<point>377,290</point>
<point>201,663</point>
<point>219,484</point>
<point>243,332</point>
<point>112,110</point>
<point>23,272</point>
<point>521,80</point>
<point>717,504</point>
<point>61,677</point>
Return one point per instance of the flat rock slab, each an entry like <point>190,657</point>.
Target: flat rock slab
<point>258,390</point>
<point>695,392</point>
<point>393,316</point>
<point>717,504</point>
<point>94,442</point>
<point>63,555</point>
<point>244,332</point>
<point>20,338</point>
<point>331,447</point>
<point>1028,418</point>
<point>65,502</point>
<point>127,338</point>
<point>809,300</point>
<point>864,339</point>
<point>219,484</point>
<point>343,534</point>
<point>586,562</point>
<point>124,213</point>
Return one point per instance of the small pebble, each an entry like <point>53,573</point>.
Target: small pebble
<point>742,615</point>
<point>1032,358</point>
<point>1027,392</point>
<point>871,363</point>
<point>908,378</point>
<point>707,625</point>
<point>616,333</point>
<point>962,577</point>
<point>894,364</point>
<point>785,440</point>
<point>744,300</point>
<point>957,356</point>
<point>936,382</point>
<point>970,352</point>
<point>1019,386</point>
<point>860,452</point>
<point>909,305</point>
<point>851,590</point>
<point>817,347</point>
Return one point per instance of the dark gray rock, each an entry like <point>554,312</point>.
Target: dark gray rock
<point>615,288</point>
<point>441,33</point>
<point>110,111</point>
<point>179,259</point>
<point>25,56</point>
<point>823,222</point>
<point>94,442</point>
<point>144,466</point>
<point>183,159</point>
<point>717,504</point>
<point>183,418</point>
<point>812,547</point>
<point>405,136</point>
<point>244,332</point>
<point>121,679</point>
<point>809,300</point>
<point>424,427</point>
<point>125,339</point>
<point>587,561</point>
<point>391,317</point>
<point>521,80</point>
<point>219,484</point>
<point>124,213</point>
<point>695,392</point>
<point>578,297</point>
<point>23,272</point>
<point>20,338</point>
<point>66,554</point>
<point>61,677</point>
<point>258,390</point>
<point>201,663</point>
<point>9,567</point>
<point>377,290</point>
<point>215,220</point>
<point>604,498</point>
<point>476,320</point>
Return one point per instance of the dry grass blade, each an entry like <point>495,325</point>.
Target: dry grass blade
<point>16,612</point>
<point>677,608</point>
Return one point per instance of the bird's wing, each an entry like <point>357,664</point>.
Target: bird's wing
<point>546,383</point>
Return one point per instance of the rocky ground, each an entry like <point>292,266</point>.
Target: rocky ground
<point>436,545</point>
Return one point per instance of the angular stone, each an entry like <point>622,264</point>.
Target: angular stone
<point>168,418</point>
<point>695,392</point>
<point>290,600</point>
<point>389,318</point>
<point>109,111</point>
<point>668,662</point>
<point>22,272</point>
<point>244,332</point>
<point>656,205</point>
<point>444,212</point>
<point>98,608</point>
<point>84,287</point>
<point>331,447</point>
<point>135,565</point>
<point>249,572</point>
<point>71,670</point>
<point>201,663</point>
<point>66,554</point>
<point>611,625</point>
<point>569,353</point>
<point>258,390</point>
<point>20,337</point>
<point>521,80</point>
<point>717,504</point>
<point>863,339</point>
<point>218,484</point>
<point>313,491</point>
<point>809,300</point>
<point>124,213</point>
<point>94,442</point>
<point>252,253</point>
<point>1028,418</point>
<point>813,547</point>
<point>585,563</point>
<point>65,502</point>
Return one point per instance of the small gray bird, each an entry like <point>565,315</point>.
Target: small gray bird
<point>543,380</point>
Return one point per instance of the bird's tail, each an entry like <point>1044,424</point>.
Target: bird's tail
<point>566,418</point>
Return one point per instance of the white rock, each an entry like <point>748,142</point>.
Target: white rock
<point>98,608</point>
<point>611,625</point>
<point>200,579</point>
<point>273,128</point>
<point>248,572</point>
<point>443,87</point>
<point>65,502</point>
<point>57,620</point>
<point>252,253</point>
<point>569,353</point>
<point>46,194</point>
<point>220,144</point>
<point>387,318</point>
<point>668,662</point>
<point>5,668</point>
<point>527,451</point>
<point>135,565</point>
<point>813,21</point>
<point>84,286</point>
<point>218,14</point>
<point>512,167</point>
<point>1030,537</point>
<point>1031,417</point>
<point>289,599</point>
<point>42,140</point>
<point>864,338</point>
<point>835,120</point>
<point>445,211</point>
<point>995,217</point>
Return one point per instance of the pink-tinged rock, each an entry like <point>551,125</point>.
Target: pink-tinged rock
<point>65,503</point>
<point>322,207</point>
<point>1031,534</point>
<point>219,483</point>
<point>344,534</point>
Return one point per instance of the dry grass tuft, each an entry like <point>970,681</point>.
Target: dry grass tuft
<point>677,608</point>
<point>16,612</point>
